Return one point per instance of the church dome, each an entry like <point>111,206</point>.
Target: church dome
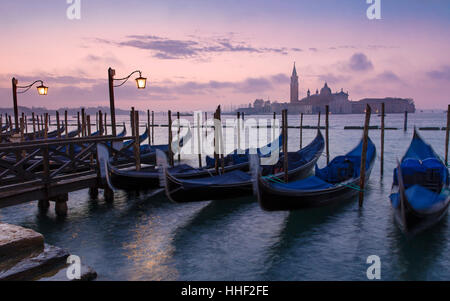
<point>325,90</point>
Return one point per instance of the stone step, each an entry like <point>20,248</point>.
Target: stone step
<point>36,264</point>
<point>16,241</point>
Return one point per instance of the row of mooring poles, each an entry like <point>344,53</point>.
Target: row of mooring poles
<point>38,123</point>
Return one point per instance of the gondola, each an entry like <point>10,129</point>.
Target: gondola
<point>420,191</point>
<point>238,183</point>
<point>40,135</point>
<point>337,182</point>
<point>149,177</point>
<point>142,137</point>
<point>34,136</point>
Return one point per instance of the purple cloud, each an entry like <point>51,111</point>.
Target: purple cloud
<point>360,62</point>
<point>165,48</point>
<point>388,76</point>
<point>442,74</point>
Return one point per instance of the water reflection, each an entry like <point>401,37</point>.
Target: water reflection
<point>416,257</point>
<point>293,236</point>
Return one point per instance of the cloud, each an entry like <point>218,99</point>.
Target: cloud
<point>104,58</point>
<point>388,76</point>
<point>359,62</point>
<point>94,92</point>
<point>166,48</point>
<point>50,79</point>
<point>248,85</point>
<point>376,47</point>
<point>442,74</point>
<point>313,49</point>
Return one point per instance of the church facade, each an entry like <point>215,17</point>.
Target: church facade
<point>313,103</point>
<point>337,102</point>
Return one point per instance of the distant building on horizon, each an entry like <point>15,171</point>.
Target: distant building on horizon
<point>338,102</point>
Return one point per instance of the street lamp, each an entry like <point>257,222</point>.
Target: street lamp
<point>42,90</point>
<point>141,82</point>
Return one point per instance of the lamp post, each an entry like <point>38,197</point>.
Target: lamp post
<point>42,90</point>
<point>141,82</point>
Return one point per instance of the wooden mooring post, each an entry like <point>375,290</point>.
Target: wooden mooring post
<point>382,141</point>
<point>178,137</point>
<point>169,116</point>
<point>327,138</point>
<point>318,121</point>
<point>206,125</point>
<point>222,148</point>
<point>199,139</point>
<point>57,124</point>
<point>88,124</point>
<point>83,122</point>
<point>405,124</point>
<point>34,125</point>
<point>301,130</point>
<point>96,120</point>
<point>238,130</point>
<point>38,126</point>
<point>46,126</point>
<point>148,128</point>
<point>153,127</point>
<point>79,124</point>
<point>273,125</point>
<point>137,155</point>
<point>285,145</point>
<point>66,123</point>
<point>447,135</point>
<point>216,143</point>
<point>362,174</point>
<point>105,125</point>
<point>24,122</point>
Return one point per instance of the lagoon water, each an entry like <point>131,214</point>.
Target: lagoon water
<point>145,237</point>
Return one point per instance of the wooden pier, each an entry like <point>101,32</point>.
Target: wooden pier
<point>47,170</point>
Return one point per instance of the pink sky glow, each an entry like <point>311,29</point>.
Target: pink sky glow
<point>198,56</point>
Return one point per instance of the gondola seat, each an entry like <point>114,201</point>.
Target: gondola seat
<point>340,169</point>
<point>420,198</point>
<point>429,173</point>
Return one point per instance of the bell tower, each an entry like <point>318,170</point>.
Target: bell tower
<point>294,86</point>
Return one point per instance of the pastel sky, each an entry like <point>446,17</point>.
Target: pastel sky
<point>201,53</point>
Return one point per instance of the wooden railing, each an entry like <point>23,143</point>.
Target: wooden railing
<point>43,161</point>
